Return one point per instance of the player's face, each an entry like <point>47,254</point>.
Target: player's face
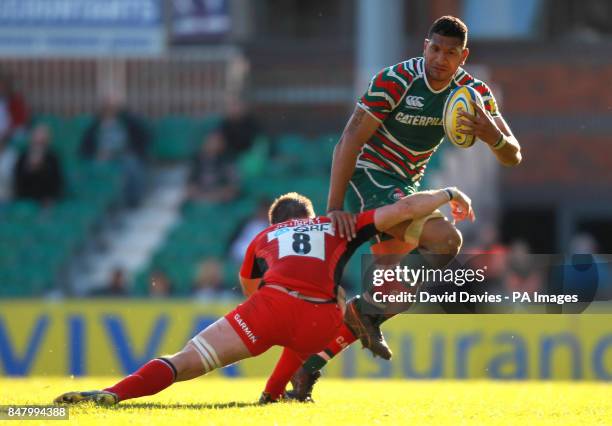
<point>443,55</point>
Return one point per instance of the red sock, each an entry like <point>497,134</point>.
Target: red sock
<point>153,377</point>
<point>287,364</point>
<point>342,340</point>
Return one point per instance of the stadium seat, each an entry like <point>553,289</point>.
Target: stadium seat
<point>254,162</point>
<point>178,138</point>
<point>230,276</point>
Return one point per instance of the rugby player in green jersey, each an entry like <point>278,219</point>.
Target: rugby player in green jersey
<point>382,154</point>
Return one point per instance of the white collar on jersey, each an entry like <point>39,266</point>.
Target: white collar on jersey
<point>442,89</point>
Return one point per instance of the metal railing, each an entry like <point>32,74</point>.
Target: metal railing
<point>184,82</point>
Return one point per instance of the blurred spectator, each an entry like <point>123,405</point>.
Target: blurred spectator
<point>116,286</point>
<point>120,137</point>
<point>487,241</point>
<point>247,230</point>
<point>38,174</point>
<point>209,283</point>
<point>583,244</point>
<point>489,253</point>
<point>522,275</point>
<point>213,176</point>
<point>239,128</point>
<point>159,285</point>
<point>8,159</point>
<point>14,113</point>
<point>583,248</point>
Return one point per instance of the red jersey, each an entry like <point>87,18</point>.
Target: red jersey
<point>304,255</point>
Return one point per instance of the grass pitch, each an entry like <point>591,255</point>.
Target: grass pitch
<point>215,401</point>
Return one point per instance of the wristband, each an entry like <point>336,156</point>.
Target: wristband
<point>500,143</point>
<point>449,193</point>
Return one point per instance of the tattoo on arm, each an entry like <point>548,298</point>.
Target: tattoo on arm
<point>356,120</point>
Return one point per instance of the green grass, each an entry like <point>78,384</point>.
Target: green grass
<point>339,402</point>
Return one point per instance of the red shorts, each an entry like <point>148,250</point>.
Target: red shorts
<point>273,318</point>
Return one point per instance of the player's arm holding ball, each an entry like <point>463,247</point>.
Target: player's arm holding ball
<point>495,132</point>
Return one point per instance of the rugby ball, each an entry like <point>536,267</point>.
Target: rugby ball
<point>459,100</point>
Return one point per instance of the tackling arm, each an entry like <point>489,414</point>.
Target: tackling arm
<point>421,204</point>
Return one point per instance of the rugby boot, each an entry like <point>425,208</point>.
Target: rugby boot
<point>96,396</point>
<point>366,329</point>
<point>303,382</point>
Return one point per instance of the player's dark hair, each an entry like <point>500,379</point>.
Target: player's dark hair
<point>449,26</point>
<point>290,206</point>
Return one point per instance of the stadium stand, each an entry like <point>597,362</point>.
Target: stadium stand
<point>206,228</point>
<point>45,239</point>
<point>298,163</point>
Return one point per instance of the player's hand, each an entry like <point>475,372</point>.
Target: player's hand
<point>461,206</point>
<point>344,223</point>
<point>480,125</point>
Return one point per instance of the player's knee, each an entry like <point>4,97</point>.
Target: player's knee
<point>454,241</point>
<point>446,240</point>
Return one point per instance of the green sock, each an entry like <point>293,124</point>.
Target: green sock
<point>375,312</point>
<point>314,363</point>
<point>364,307</point>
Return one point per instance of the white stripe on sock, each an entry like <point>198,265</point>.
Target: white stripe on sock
<point>203,355</point>
<point>211,351</point>
<point>324,355</point>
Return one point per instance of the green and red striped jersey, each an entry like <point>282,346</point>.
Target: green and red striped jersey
<point>410,113</point>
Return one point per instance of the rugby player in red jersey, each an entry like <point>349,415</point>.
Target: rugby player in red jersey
<point>295,266</point>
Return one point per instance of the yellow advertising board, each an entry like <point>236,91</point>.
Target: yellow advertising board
<point>114,337</point>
